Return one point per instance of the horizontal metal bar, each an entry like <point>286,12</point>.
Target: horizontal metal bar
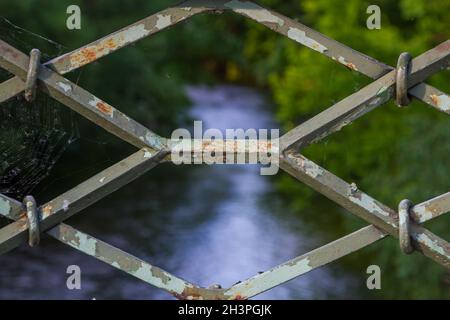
<point>81,101</point>
<point>305,263</point>
<point>431,208</point>
<point>83,195</point>
<point>361,204</point>
<point>364,100</point>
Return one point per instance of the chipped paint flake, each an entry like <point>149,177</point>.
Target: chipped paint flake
<point>368,203</point>
<point>107,45</point>
<point>66,204</point>
<point>300,36</point>
<point>84,243</point>
<point>349,65</point>
<point>163,21</point>
<point>5,207</point>
<point>133,34</point>
<point>423,212</point>
<point>65,86</point>
<point>147,154</point>
<point>442,101</point>
<point>433,245</point>
<point>102,180</point>
<point>159,278</point>
<point>102,106</point>
<point>46,211</point>
<point>254,11</point>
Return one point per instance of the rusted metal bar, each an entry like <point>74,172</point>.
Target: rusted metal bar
<point>352,59</point>
<point>115,257</point>
<point>432,96</point>
<point>83,195</point>
<point>290,28</point>
<point>305,263</point>
<point>33,69</point>
<point>82,101</point>
<point>404,233</point>
<point>431,208</point>
<point>401,79</point>
<point>121,260</point>
<point>362,205</point>
<point>364,100</point>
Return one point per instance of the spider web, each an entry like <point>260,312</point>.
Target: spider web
<point>33,136</point>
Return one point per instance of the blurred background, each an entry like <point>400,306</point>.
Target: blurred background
<point>221,224</point>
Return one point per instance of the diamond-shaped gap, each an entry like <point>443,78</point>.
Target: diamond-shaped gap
<point>200,222</point>
<point>250,274</point>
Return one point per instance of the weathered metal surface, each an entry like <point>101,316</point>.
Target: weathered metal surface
<point>33,68</point>
<point>11,88</point>
<point>83,195</point>
<point>432,96</point>
<point>404,235</point>
<point>305,263</point>
<point>385,220</point>
<point>81,101</point>
<point>431,208</point>
<point>364,100</point>
<point>10,208</point>
<point>33,221</point>
<point>401,79</point>
<point>361,204</point>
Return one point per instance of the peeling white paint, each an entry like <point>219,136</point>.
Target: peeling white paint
<point>65,86</point>
<point>147,154</point>
<point>66,204</point>
<point>300,36</point>
<point>254,11</point>
<point>442,101</point>
<point>368,203</point>
<point>352,66</point>
<point>163,21</point>
<point>134,33</point>
<point>5,207</point>
<point>145,273</point>
<point>94,102</point>
<point>423,213</point>
<point>102,180</point>
<point>312,169</point>
<point>433,245</point>
<point>86,244</point>
<point>272,278</point>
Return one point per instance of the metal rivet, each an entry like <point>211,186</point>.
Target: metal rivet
<point>401,79</point>
<point>404,219</point>
<point>33,221</point>
<point>33,69</point>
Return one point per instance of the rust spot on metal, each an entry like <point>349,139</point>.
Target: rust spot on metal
<point>47,210</point>
<point>104,107</point>
<point>92,53</point>
<point>434,98</point>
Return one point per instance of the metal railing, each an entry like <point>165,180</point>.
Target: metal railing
<point>407,78</point>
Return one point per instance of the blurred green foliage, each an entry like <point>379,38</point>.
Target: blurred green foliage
<point>390,153</point>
